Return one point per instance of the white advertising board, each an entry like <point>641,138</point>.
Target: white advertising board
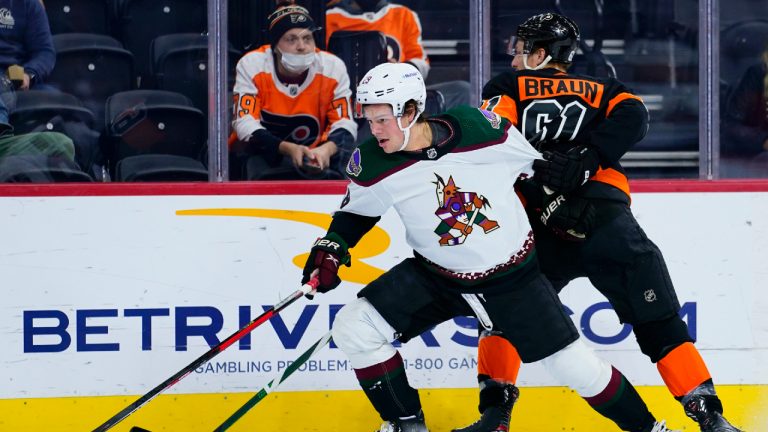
<point>110,295</point>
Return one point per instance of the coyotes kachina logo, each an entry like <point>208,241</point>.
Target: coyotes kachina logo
<point>459,212</point>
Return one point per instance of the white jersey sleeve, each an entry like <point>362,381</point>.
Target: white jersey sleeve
<point>521,151</point>
<point>369,201</point>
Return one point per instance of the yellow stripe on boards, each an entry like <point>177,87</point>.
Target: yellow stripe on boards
<point>539,409</point>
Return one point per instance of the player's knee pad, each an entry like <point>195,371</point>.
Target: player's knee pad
<point>579,368</point>
<point>363,334</point>
<point>657,338</point>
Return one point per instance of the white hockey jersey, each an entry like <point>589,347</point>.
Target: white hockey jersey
<point>456,199</point>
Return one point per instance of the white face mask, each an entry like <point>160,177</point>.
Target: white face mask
<point>297,63</point>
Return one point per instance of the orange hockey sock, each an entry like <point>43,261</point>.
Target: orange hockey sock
<point>683,369</point>
<point>498,359</point>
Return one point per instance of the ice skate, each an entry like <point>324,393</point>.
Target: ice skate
<point>660,426</point>
<point>406,424</point>
<point>707,411</point>
<point>496,417</point>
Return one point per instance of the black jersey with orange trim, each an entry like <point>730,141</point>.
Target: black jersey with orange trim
<point>571,110</point>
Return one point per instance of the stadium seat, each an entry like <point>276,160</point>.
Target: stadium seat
<point>160,168</point>
<point>435,102</point>
<point>360,51</point>
<point>91,67</point>
<point>153,122</point>
<point>141,21</point>
<point>40,169</point>
<point>36,107</point>
<point>80,16</point>
<point>180,64</point>
<point>41,111</point>
<point>740,47</point>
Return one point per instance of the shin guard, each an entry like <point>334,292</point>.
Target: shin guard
<point>497,359</point>
<point>386,386</point>
<point>683,370</point>
<point>605,389</point>
<point>620,402</point>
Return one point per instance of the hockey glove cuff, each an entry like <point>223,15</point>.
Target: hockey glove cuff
<point>564,172</point>
<point>326,256</point>
<point>569,218</point>
<point>530,192</point>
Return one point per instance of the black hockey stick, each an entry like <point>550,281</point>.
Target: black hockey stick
<point>261,394</point>
<point>234,337</point>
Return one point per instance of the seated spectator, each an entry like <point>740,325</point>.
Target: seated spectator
<point>292,104</point>
<point>402,28</point>
<point>745,122</point>
<point>35,143</point>
<point>26,48</point>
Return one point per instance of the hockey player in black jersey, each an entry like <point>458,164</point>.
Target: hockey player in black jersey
<point>578,204</point>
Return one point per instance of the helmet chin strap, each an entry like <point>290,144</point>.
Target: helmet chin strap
<point>406,132</point>
<point>541,66</point>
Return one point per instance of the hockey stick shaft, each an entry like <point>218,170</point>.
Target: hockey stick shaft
<point>261,394</point>
<point>213,352</point>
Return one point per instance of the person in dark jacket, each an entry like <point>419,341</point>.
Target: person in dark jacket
<point>745,121</point>
<point>26,46</point>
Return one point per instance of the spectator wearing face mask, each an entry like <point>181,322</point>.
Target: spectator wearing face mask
<point>291,110</point>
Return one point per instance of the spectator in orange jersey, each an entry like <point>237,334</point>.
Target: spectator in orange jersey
<point>291,105</point>
<point>402,29</point>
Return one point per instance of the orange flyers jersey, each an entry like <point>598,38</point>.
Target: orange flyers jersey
<point>303,113</point>
<point>568,110</point>
<point>400,25</point>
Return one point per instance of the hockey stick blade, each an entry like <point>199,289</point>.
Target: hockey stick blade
<point>213,352</point>
<point>261,394</point>
<point>138,429</point>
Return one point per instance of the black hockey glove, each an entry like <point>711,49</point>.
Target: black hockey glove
<point>327,254</point>
<point>569,218</point>
<point>564,172</point>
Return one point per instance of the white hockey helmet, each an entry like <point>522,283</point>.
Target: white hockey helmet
<point>393,84</point>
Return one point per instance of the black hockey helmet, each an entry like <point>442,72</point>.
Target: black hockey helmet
<point>557,34</point>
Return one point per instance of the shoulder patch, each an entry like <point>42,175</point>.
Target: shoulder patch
<point>493,118</point>
<point>355,165</point>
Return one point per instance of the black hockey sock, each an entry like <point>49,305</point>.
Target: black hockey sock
<point>386,386</point>
<point>620,402</point>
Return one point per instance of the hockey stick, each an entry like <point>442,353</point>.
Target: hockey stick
<point>261,394</point>
<point>234,337</point>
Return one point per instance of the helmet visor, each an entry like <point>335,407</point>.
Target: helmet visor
<point>512,46</point>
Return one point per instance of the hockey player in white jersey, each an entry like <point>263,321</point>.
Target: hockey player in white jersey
<point>451,180</point>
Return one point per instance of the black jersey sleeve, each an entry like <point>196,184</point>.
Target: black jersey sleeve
<point>352,227</point>
<point>625,125</point>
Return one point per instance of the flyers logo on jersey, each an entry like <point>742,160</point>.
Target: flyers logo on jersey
<point>540,88</point>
